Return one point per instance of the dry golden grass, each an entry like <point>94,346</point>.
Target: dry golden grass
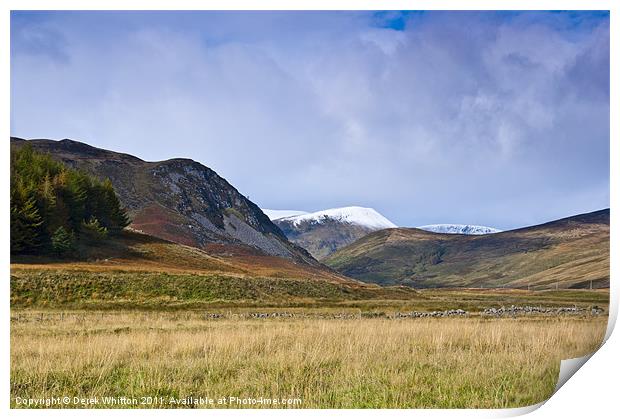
<point>470,362</point>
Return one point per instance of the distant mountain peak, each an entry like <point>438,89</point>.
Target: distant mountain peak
<point>365,217</point>
<point>277,214</point>
<point>323,232</point>
<point>469,229</point>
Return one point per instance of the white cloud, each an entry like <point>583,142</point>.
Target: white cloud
<point>504,121</point>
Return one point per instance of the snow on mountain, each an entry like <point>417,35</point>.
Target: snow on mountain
<point>459,229</point>
<point>275,214</point>
<point>366,217</point>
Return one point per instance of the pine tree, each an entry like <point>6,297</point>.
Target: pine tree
<point>25,223</point>
<point>117,216</point>
<point>94,229</point>
<point>62,241</point>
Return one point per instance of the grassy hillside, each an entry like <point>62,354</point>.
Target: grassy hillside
<point>568,253</point>
<point>140,271</point>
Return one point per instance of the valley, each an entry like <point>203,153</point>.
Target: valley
<point>203,294</point>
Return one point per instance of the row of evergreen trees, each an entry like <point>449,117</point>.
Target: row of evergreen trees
<point>54,207</point>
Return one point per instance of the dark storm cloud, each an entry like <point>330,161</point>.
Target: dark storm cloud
<point>491,118</point>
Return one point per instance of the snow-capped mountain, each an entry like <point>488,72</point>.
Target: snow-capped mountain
<point>323,232</point>
<point>276,214</point>
<point>459,229</point>
<point>365,217</point>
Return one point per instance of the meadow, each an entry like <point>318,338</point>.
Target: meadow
<point>166,357</point>
<point>166,335</point>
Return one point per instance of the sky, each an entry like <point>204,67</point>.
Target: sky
<point>491,118</point>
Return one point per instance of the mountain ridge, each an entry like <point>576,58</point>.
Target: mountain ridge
<point>459,229</point>
<point>366,217</point>
<point>570,252</point>
<point>323,232</point>
<point>177,199</point>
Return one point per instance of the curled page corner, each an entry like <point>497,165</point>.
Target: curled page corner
<point>568,367</point>
<point>520,411</point>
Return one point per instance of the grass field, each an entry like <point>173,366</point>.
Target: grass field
<point>449,362</point>
<point>142,330</point>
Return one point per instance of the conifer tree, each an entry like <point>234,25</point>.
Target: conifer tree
<point>62,241</point>
<point>52,205</point>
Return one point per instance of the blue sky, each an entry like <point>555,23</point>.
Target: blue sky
<point>494,118</point>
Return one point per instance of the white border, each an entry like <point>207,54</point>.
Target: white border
<point>592,393</point>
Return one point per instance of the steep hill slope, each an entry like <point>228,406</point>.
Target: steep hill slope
<point>178,200</point>
<point>322,233</point>
<point>567,253</point>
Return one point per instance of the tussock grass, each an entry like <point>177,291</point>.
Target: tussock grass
<point>446,363</point>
